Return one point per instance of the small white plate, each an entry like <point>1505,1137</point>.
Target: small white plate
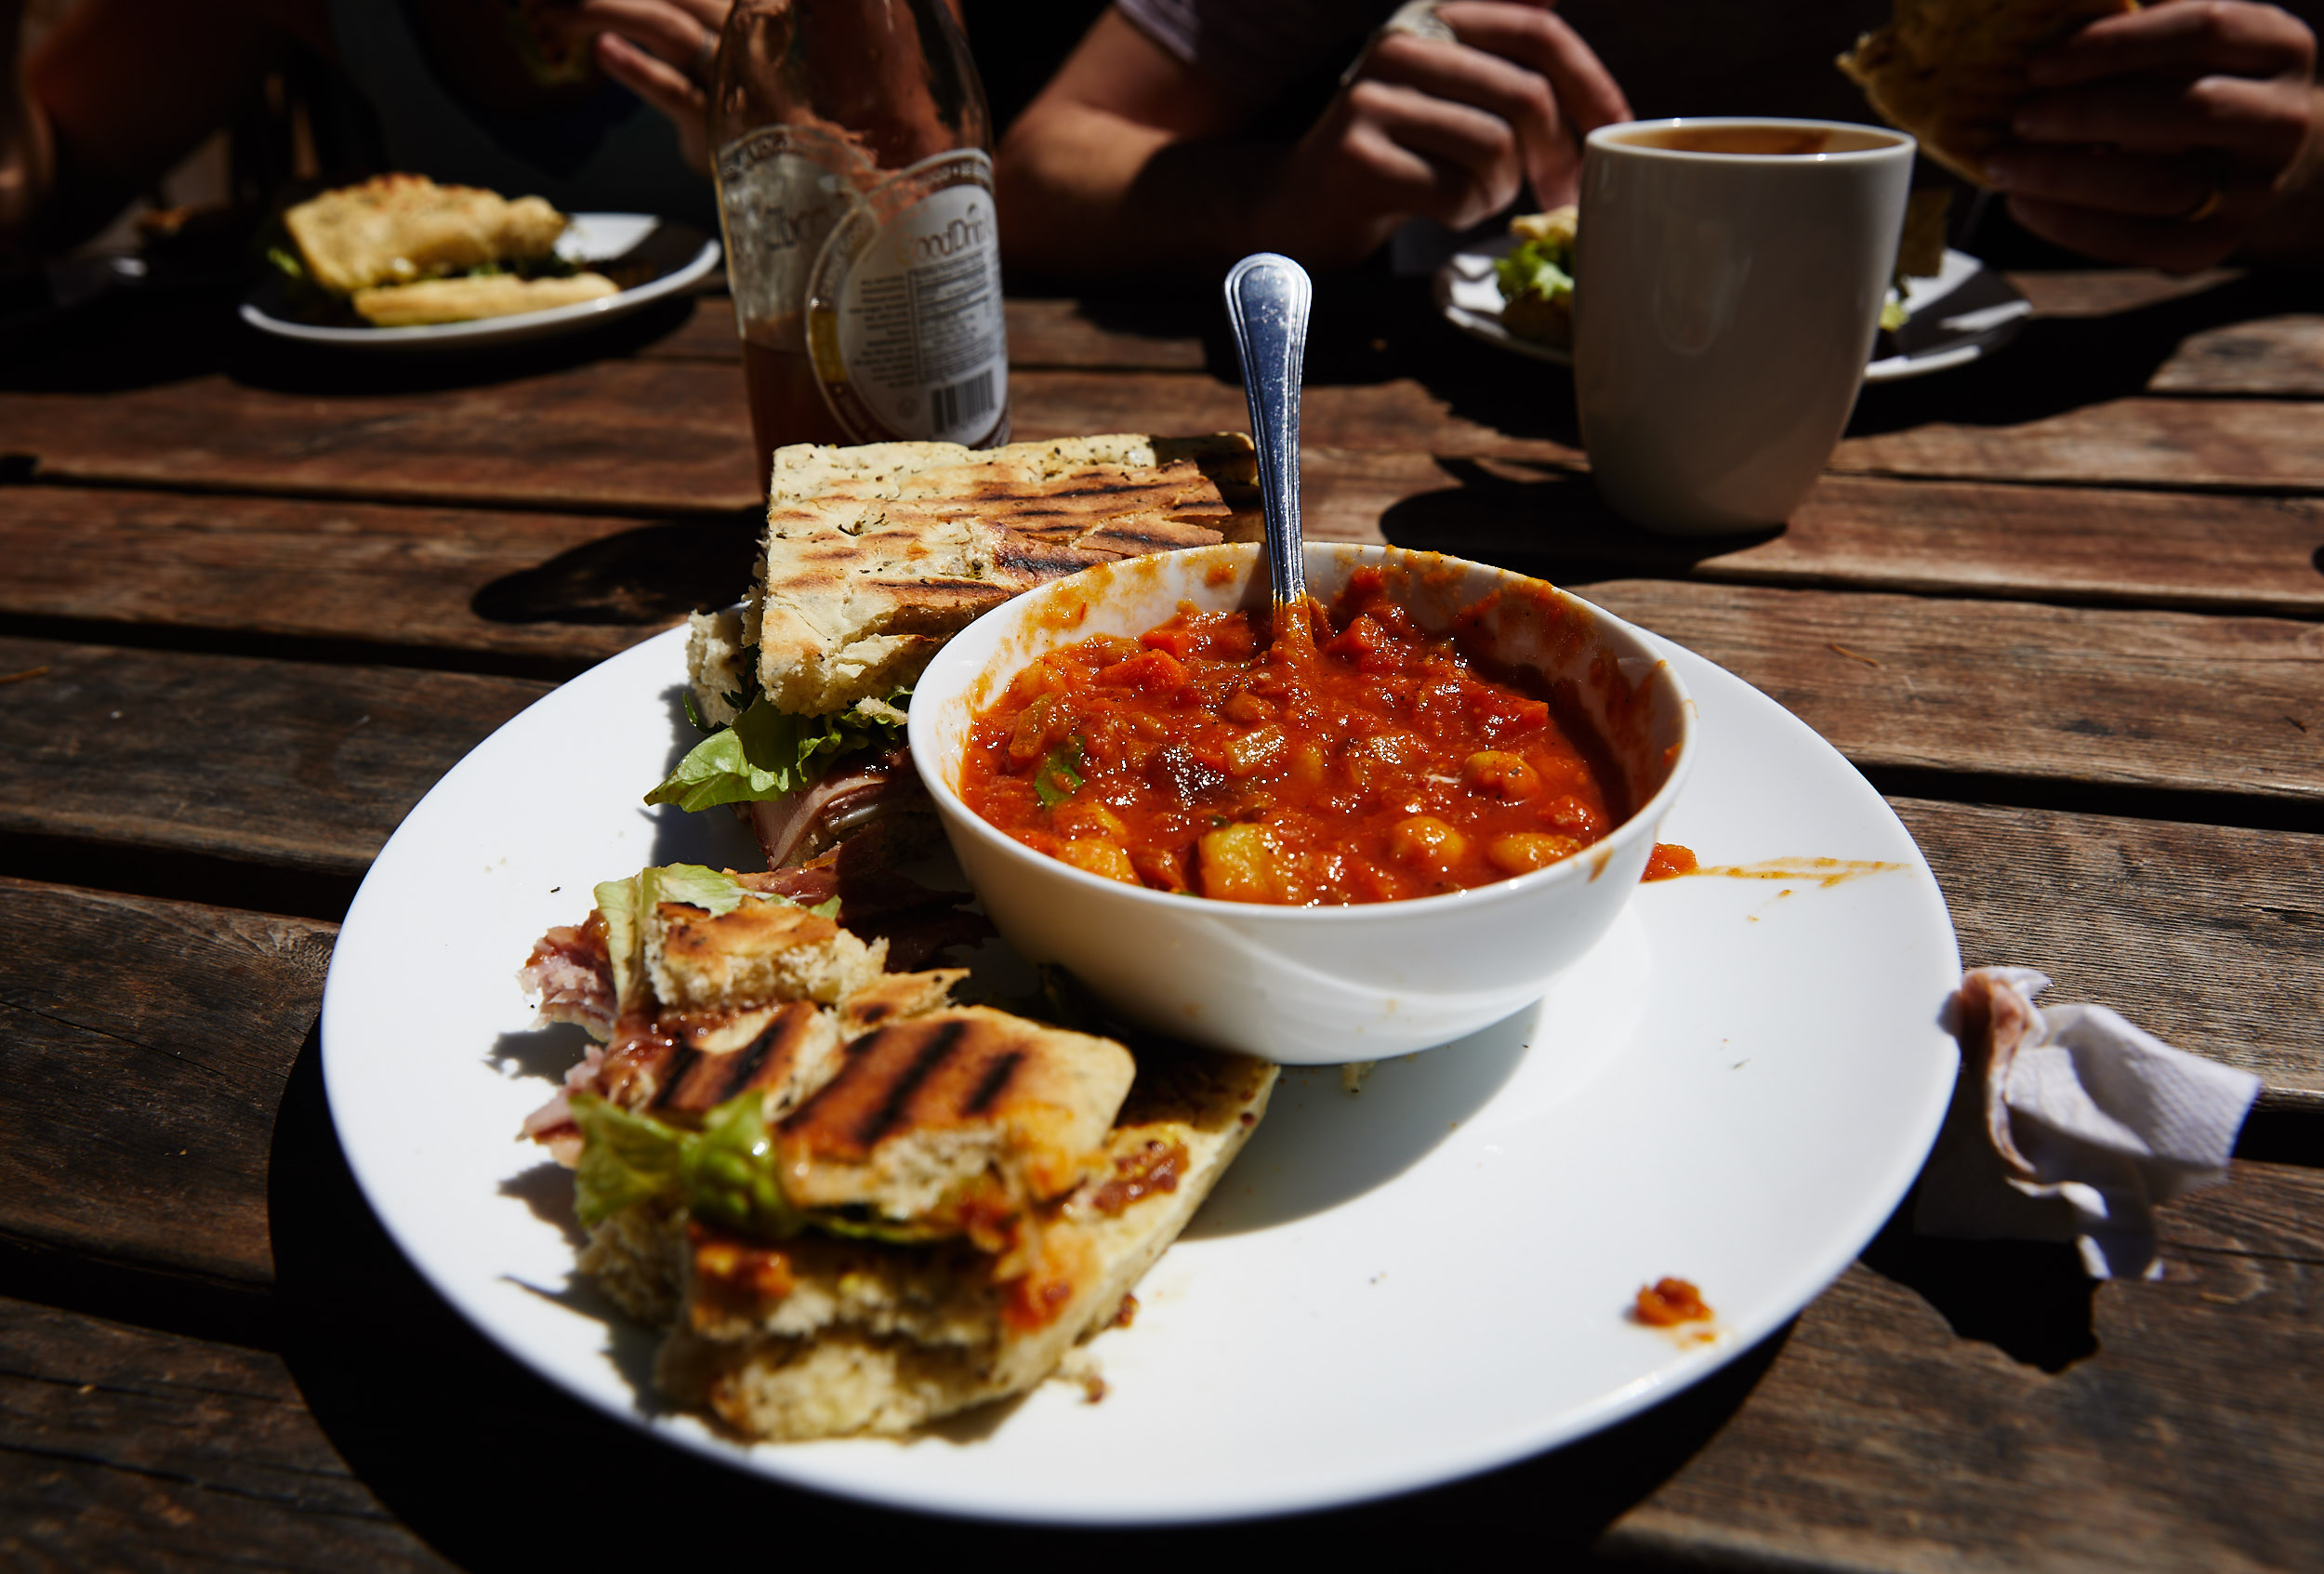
<point>1392,1289</point>
<point>1963,314</point>
<point>590,237</point>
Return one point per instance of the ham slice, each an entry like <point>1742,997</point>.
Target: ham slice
<point>803,822</point>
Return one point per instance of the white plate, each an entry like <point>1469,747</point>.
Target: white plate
<point>589,237</point>
<point>1424,1280</point>
<point>1942,333</point>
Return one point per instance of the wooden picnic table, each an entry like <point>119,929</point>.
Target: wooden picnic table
<point>2062,607</point>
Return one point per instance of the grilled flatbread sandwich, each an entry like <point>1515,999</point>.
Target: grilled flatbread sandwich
<point>873,557</point>
<point>854,1206</point>
<point>1953,71</point>
<point>403,250</point>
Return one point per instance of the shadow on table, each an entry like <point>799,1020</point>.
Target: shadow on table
<point>132,338</point>
<point>2029,1299</point>
<point>497,1470</point>
<point>1543,519</point>
<point>647,574</point>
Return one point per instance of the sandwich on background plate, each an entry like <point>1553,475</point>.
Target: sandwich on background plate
<point>403,251</point>
<point>854,1206</point>
<point>1953,71</point>
<point>873,558</point>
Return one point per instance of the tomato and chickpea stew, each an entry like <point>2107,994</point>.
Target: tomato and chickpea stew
<point>1354,758</point>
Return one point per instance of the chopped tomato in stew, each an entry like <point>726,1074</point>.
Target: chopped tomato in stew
<point>1352,757</point>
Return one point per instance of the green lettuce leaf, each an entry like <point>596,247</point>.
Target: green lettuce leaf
<point>766,753</point>
<point>729,1174</point>
<point>618,903</point>
<point>1543,268</point>
<point>626,1159</point>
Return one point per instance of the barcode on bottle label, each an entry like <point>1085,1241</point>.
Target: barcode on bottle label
<point>905,309</point>
<point>964,400</point>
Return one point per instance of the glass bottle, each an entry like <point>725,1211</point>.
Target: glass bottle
<point>855,189</point>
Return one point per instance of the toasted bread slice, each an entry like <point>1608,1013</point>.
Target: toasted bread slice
<point>876,555</point>
<point>871,1338</point>
<point>1953,71</point>
<point>925,1108</point>
<point>469,299</point>
<point>759,952</point>
<point>396,228</point>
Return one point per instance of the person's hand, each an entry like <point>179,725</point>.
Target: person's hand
<point>660,50</point>
<point>1448,131</point>
<point>2160,137</point>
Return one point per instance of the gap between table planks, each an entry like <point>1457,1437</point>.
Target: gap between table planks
<point>179,1440</point>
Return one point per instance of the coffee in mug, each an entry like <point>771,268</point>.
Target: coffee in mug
<point>1729,277</point>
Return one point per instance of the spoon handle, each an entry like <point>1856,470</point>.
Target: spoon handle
<point>1267,299</point>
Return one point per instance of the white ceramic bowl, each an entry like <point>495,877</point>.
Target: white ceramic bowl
<point>1309,986</point>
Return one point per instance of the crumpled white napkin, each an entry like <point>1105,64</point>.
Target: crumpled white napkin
<point>2071,1124</point>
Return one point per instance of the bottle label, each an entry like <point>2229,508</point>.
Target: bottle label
<point>904,309</point>
<point>782,190</point>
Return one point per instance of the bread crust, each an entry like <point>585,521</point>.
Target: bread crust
<point>470,299</point>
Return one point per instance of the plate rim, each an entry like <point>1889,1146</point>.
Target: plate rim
<point>1486,327</point>
<point>1877,1200</point>
<point>547,322</point>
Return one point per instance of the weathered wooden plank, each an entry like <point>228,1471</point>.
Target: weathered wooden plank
<point>2159,700</point>
<point>286,763</point>
<point>144,1045</point>
<point>2179,443</point>
<point>2203,551</point>
<point>2204,935</point>
<point>672,435</point>
<point>578,586</point>
<point>147,1040</point>
<point>1879,1439</point>
<point>634,435</point>
<point>124,1448</point>
<point>2283,356</point>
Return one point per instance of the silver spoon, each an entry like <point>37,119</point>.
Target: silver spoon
<point>1267,298</point>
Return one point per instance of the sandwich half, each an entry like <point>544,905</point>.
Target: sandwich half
<point>1953,71</point>
<point>855,1206</point>
<point>873,558</point>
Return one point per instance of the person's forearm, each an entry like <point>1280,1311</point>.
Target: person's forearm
<point>1086,194</point>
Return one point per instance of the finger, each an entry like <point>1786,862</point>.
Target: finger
<point>2187,38</point>
<point>1453,163</point>
<point>1519,98</point>
<point>657,26</point>
<point>2264,122</point>
<point>650,77</point>
<point>2145,243</point>
<point>1539,40</point>
<point>2130,184</point>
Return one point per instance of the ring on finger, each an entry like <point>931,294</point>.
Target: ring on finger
<point>705,55</point>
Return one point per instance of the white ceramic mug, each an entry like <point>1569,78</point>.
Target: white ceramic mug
<point>1729,275</point>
